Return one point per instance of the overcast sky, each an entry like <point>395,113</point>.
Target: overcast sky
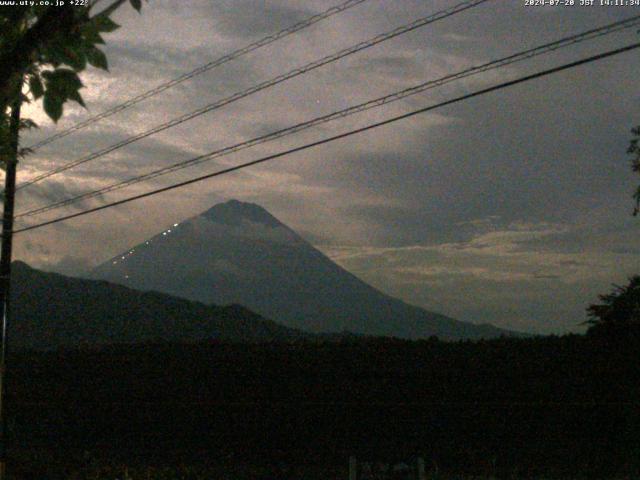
<point>513,208</point>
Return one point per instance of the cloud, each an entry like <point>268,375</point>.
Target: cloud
<point>501,276</point>
<point>71,266</point>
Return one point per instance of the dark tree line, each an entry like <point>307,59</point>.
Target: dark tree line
<point>556,406</point>
<point>618,314</point>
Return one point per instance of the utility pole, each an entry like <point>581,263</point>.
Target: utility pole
<point>5,268</point>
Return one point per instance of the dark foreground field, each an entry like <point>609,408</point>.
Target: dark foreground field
<point>564,407</point>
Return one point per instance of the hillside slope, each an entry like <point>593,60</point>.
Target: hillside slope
<point>51,310</point>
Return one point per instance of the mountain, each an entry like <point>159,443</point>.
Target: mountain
<point>51,310</point>
<point>238,252</point>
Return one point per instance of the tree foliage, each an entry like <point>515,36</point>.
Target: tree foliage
<point>46,47</point>
<point>550,407</point>
<point>619,310</point>
<point>5,140</point>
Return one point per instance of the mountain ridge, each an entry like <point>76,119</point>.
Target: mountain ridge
<point>56,311</point>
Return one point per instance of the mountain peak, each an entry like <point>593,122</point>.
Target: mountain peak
<point>237,252</point>
<point>235,212</point>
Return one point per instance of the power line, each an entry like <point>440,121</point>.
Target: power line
<point>201,69</point>
<point>517,57</point>
<point>264,85</point>
<point>307,146</point>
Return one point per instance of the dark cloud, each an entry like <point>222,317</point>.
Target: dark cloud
<point>52,191</point>
<point>249,19</point>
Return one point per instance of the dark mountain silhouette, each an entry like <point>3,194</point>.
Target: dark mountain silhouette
<point>239,253</point>
<point>51,310</point>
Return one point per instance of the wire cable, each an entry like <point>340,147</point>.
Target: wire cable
<point>333,138</point>
<point>263,85</point>
<point>511,59</point>
<point>200,70</point>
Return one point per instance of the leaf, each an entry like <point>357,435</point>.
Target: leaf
<point>52,104</point>
<point>91,34</point>
<point>53,54</point>
<point>97,58</point>
<point>76,97</point>
<point>137,4</point>
<point>74,57</point>
<point>64,80</point>
<point>111,8</point>
<point>105,24</point>
<point>35,85</point>
<point>27,124</point>
<point>23,152</point>
<point>62,85</point>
